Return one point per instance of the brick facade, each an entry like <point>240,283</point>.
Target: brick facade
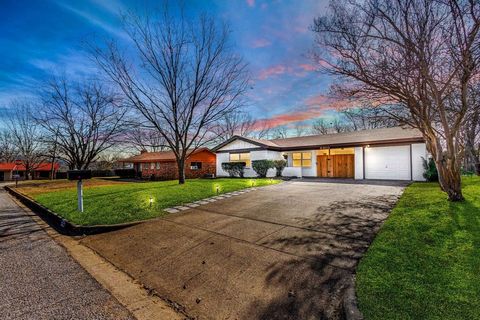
<point>167,169</point>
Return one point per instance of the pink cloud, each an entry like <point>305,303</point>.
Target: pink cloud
<point>261,43</point>
<point>308,67</point>
<point>315,107</point>
<point>251,3</point>
<point>272,71</point>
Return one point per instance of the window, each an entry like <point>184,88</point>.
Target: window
<point>302,159</point>
<point>195,165</point>
<point>146,165</point>
<point>152,166</point>
<point>158,165</point>
<point>241,157</point>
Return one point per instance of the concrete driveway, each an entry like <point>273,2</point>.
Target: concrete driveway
<point>286,251</point>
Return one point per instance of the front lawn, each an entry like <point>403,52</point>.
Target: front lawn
<point>425,261</point>
<point>117,202</point>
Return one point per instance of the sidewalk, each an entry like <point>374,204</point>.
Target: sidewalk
<point>39,280</point>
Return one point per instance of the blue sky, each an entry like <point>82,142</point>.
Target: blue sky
<point>41,37</point>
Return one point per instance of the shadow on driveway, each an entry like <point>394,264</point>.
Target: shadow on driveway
<point>283,252</point>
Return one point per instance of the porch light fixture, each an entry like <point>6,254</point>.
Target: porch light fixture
<point>367,146</point>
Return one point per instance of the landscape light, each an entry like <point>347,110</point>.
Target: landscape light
<point>218,189</point>
<point>151,201</point>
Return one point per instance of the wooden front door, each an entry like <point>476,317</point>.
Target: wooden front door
<point>335,166</point>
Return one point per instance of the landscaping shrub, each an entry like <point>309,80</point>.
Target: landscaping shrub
<point>102,173</point>
<point>261,167</point>
<point>430,173</point>
<point>125,173</point>
<point>279,166</point>
<point>234,169</point>
<point>61,175</point>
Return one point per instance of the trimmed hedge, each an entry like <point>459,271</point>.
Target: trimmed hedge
<point>102,173</point>
<point>125,173</point>
<point>261,167</point>
<point>234,169</point>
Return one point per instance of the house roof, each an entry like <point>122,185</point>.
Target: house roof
<point>363,137</point>
<point>10,166</point>
<point>161,156</point>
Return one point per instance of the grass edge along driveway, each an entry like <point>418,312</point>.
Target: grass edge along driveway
<point>425,261</point>
<point>127,202</point>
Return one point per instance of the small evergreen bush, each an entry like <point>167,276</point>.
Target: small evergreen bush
<point>430,173</point>
<point>234,169</point>
<point>261,167</point>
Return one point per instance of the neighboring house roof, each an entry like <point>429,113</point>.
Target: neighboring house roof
<point>161,156</point>
<point>10,166</point>
<point>7,166</point>
<point>363,137</point>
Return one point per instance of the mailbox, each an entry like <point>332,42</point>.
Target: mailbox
<point>79,174</point>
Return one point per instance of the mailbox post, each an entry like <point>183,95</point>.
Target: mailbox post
<point>79,176</point>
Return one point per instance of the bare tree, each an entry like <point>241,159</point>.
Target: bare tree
<point>322,126</point>
<point>300,130</point>
<point>367,117</point>
<point>27,137</point>
<point>234,123</point>
<point>145,139</point>
<point>184,80</point>
<point>280,132</point>
<point>418,57</point>
<point>261,130</point>
<point>8,149</point>
<point>82,120</point>
<point>472,132</point>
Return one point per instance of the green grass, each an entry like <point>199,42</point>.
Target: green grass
<point>128,202</point>
<point>425,261</point>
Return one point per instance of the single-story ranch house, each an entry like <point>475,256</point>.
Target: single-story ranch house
<point>42,171</point>
<point>163,166</point>
<point>387,153</point>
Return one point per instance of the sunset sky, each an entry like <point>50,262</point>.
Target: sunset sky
<point>41,37</point>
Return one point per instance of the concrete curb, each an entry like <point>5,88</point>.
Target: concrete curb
<point>66,227</point>
<point>60,224</point>
<point>350,305</point>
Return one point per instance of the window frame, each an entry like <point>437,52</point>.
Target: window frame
<point>196,167</point>
<point>248,162</point>
<point>305,157</point>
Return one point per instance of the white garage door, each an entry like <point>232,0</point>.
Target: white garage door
<point>387,163</point>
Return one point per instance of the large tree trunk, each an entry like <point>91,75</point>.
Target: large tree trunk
<point>181,171</point>
<point>449,174</point>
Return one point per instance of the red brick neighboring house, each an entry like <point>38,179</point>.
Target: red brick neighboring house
<point>9,169</point>
<point>163,166</point>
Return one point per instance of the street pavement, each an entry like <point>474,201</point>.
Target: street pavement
<point>39,280</point>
